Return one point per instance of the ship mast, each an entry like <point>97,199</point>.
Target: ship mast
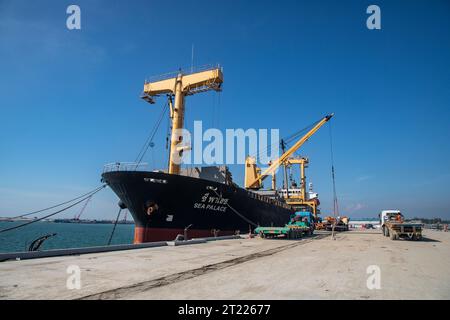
<point>181,85</point>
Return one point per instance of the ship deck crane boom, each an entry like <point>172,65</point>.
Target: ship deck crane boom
<point>181,85</point>
<point>255,181</point>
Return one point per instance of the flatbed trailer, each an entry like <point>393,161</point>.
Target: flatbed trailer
<point>397,230</point>
<point>337,227</point>
<point>301,223</point>
<point>289,232</point>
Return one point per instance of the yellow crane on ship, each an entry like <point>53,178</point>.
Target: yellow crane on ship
<point>254,178</point>
<point>180,85</point>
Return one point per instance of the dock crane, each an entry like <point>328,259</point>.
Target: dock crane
<point>77,217</point>
<point>254,177</point>
<point>180,85</point>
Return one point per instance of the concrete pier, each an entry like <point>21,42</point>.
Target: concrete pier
<point>315,267</point>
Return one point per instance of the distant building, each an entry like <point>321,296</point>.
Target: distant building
<point>358,224</point>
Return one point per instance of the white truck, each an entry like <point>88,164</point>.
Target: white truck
<point>393,226</point>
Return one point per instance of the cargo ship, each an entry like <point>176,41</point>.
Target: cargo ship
<point>163,205</point>
<point>202,201</point>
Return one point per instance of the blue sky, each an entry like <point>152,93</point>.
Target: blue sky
<point>70,99</point>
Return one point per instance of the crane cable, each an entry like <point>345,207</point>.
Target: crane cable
<point>295,135</point>
<point>335,201</point>
<point>150,138</point>
<point>62,203</point>
<point>287,140</point>
<point>54,213</point>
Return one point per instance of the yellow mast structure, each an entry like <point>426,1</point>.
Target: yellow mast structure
<point>301,198</point>
<point>303,162</point>
<point>180,86</point>
<point>253,177</point>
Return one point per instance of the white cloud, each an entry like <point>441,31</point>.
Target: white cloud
<point>363,178</point>
<point>354,207</point>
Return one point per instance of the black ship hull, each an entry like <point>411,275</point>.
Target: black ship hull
<point>163,205</point>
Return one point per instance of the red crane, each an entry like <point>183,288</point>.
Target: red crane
<point>77,217</point>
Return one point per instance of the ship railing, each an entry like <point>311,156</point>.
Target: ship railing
<point>183,71</point>
<point>125,166</point>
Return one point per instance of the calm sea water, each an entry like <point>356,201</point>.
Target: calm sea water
<point>68,235</point>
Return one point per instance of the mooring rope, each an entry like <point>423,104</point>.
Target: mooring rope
<point>60,204</point>
<point>114,228</point>
<point>234,210</point>
<point>54,213</point>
